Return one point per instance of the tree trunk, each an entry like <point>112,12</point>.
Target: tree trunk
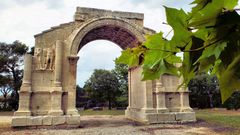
<point>210,99</point>
<point>109,105</point>
<point>109,101</point>
<point>5,101</point>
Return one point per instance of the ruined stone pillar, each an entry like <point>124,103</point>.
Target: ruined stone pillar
<point>58,64</point>
<point>129,90</point>
<point>160,97</point>
<point>184,98</point>
<point>25,90</point>
<point>56,93</point>
<point>71,109</point>
<point>148,98</point>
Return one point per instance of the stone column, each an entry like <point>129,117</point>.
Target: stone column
<point>56,93</point>
<point>148,98</point>
<point>71,109</point>
<point>160,97</point>
<point>58,64</point>
<point>26,89</point>
<point>184,98</point>
<point>129,89</point>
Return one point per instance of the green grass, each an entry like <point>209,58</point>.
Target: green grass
<point>223,118</point>
<point>102,112</point>
<point>219,117</point>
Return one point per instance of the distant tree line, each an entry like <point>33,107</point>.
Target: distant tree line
<point>205,93</point>
<point>105,88</point>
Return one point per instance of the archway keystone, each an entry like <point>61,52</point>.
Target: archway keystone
<point>48,91</point>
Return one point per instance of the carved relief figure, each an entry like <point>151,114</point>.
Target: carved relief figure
<point>49,57</point>
<point>38,58</point>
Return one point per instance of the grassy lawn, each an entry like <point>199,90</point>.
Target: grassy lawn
<point>221,117</point>
<point>103,112</point>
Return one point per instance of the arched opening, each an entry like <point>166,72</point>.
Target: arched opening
<point>118,31</point>
<point>98,54</point>
<point>117,35</point>
<point>97,57</point>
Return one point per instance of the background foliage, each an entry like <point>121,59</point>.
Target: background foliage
<point>105,88</point>
<point>11,73</point>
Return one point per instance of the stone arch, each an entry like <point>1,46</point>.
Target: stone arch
<point>84,34</point>
<point>48,92</point>
<point>123,33</point>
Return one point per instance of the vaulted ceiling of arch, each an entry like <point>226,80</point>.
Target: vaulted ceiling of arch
<point>118,35</point>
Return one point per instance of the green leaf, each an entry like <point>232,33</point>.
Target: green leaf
<point>173,59</point>
<point>200,4</point>
<point>213,50</point>
<point>217,68</point>
<point>187,69</point>
<point>155,41</point>
<point>160,68</point>
<point>130,56</point>
<point>202,34</point>
<point>175,17</point>
<point>207,15</point>
<point>178,20</point>
<point>229,81</point>
<point>230,4</point>
<point>206,64</point>
<point>152,57</point>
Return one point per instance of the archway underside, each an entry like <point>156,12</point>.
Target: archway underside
<point>117,35</point>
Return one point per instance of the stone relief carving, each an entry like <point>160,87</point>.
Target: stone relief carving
<point>49,59</point>
<point>44,58</point>
<point>38,58</point>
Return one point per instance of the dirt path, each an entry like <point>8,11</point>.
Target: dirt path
<point>115,125</point>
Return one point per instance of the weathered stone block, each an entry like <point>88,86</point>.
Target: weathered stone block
<point>73,119</point>
<point>185,116</point>
<point>165,117</point>
<point>47,120</point>
<point>36,121</point>
<point>20,121</point>
<point>57,120</point>
<point>151,118</point>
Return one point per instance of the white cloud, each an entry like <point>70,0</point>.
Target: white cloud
<point>97,54</point>
<point>22,22</point>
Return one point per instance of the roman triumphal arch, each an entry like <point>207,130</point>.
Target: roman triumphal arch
<point>48,91</point>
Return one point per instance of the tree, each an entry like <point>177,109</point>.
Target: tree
<point>204,91</point>
<point>5,88</point>
<point>209,39</point>
<point>121,72</point>
<point>233,102</point>
<point>81,97</point>
<point>102,86</point>
<point>11,61</point>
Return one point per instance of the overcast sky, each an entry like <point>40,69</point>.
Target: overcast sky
<point>22,19</point>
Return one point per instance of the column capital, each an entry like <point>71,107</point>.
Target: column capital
<point>73,59</point>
